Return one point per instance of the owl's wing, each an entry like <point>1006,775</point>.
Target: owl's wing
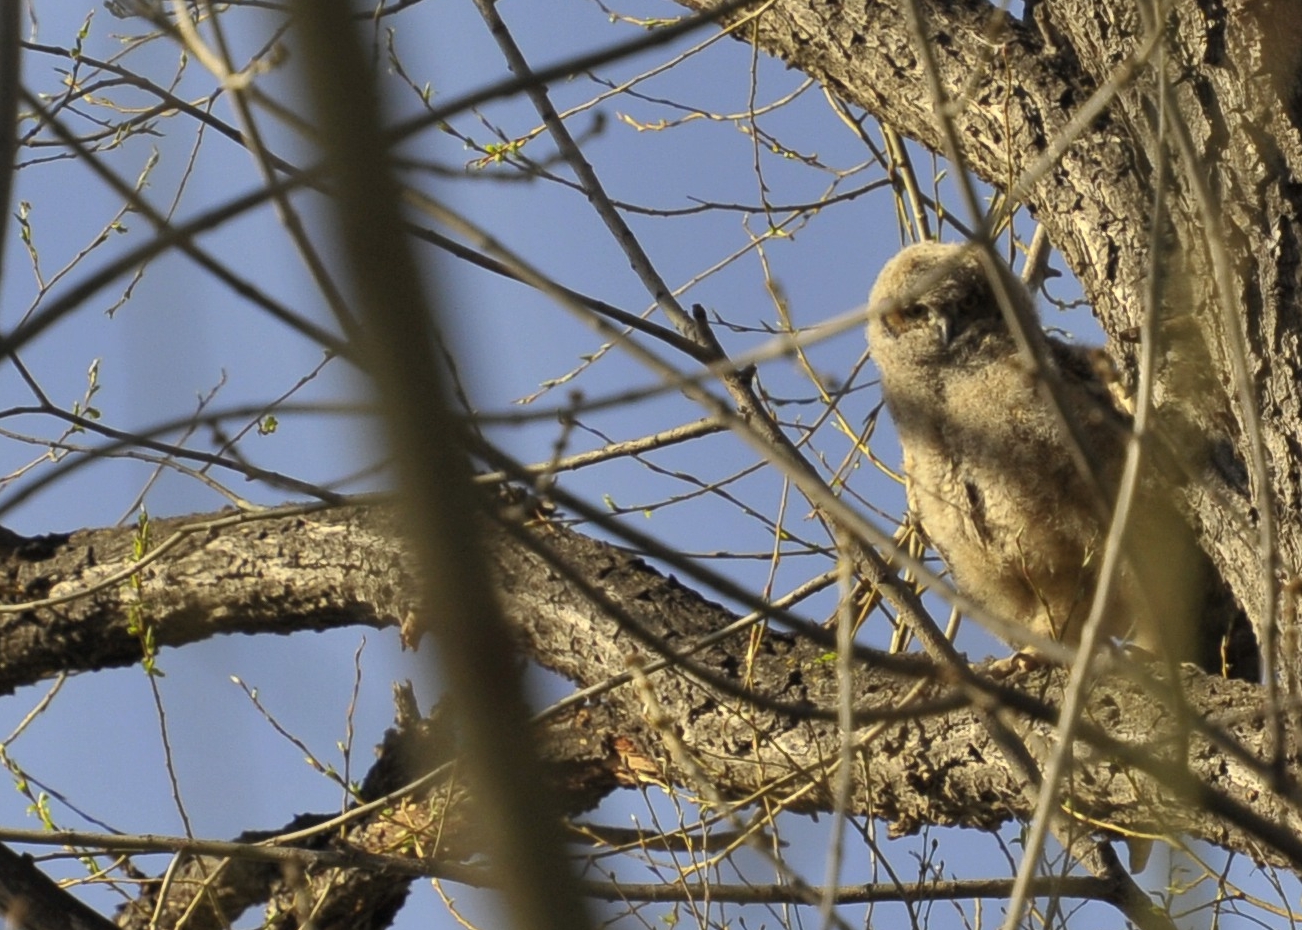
<point>1220,638</point>
<point>1090,371</point>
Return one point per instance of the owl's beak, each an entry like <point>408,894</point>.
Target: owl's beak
<point>944,327</point>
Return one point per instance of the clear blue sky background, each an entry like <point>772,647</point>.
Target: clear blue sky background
<point>181,334</point>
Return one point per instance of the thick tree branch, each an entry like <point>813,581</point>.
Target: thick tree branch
<point>311,571</point>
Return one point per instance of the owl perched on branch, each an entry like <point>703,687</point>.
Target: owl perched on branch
<point>993,480</point>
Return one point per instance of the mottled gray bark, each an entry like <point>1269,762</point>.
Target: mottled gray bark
<point>932,762</point>
<point>1016,85</point>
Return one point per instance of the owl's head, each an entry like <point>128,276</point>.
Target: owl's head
<point>934,302</point>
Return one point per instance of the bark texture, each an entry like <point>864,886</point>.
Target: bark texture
<point>1015,86</point>
<point>1194,766</point>
<point>1196,760</point>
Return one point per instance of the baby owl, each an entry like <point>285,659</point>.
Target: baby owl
<point>993,481</point>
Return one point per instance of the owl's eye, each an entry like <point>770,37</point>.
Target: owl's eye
<point>976,304</point>
<point>906,317</point>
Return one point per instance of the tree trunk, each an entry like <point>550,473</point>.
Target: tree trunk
<point>1201,119</point>
<point>1016,87</point>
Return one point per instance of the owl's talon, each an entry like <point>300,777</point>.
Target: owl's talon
<point>1137,653</point>
<point>1016,664</point>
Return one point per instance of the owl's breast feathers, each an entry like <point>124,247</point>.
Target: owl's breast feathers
<point>996,489</point>
<point>991,472</point>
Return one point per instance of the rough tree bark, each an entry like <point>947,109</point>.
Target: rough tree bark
<point>1016,86</point>
<point>931,761</point>
<point>1196,768</point>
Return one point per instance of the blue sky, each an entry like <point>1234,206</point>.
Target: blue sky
<point>181,335</point>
